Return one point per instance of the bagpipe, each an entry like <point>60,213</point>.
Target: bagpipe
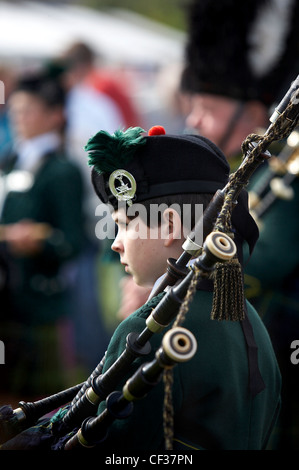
<point>178,345</point>
<point>276,182</point>
<point>78,424</point>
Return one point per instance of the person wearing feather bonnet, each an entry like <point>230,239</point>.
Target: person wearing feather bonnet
<point>241,58</point>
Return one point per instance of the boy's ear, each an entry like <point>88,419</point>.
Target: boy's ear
<point>171,226</point>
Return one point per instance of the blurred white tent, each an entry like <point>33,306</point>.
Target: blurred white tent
<point>33,30</point>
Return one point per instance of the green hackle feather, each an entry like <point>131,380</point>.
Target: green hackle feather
<point>109,152</point>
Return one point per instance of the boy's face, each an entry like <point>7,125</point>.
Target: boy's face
<point>143,251</point>
<point>30,117</point>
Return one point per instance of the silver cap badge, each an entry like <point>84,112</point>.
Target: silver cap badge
<point>122,185</point>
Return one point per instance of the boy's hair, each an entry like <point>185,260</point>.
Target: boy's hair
<point>185,203</point>
<point>247,27</point>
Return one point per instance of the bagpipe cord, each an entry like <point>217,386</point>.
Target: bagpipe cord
<point>168,413</point>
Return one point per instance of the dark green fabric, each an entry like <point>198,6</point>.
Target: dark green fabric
<point>37,359</point>
<point>272,285</point>
<point>271,273</point>
<point>55,198</point>
<point>276,255</point>
<point>38,437</point>
<point>213,408</point>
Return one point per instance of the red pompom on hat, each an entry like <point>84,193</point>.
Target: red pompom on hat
<point>157,130</point>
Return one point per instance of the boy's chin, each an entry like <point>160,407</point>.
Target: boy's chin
<point>142,284</point>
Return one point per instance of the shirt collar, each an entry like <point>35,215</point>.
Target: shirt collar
<point>30,151</point>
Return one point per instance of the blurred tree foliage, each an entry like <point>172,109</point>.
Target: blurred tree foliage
<point>168,12</point>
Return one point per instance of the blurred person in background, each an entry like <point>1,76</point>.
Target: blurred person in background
<point>241,58</point>
<point>239,62</point>
<point>87,110</point>
<point>41,232</point>
<point>95,100</point>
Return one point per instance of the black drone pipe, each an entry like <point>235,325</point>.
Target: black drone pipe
<point>178,345</point>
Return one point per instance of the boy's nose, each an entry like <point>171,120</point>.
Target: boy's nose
<point>117,245</point>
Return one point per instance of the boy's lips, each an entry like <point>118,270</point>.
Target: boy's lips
<point>125,265</point>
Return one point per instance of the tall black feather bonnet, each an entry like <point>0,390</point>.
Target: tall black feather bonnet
<point>247,50</point>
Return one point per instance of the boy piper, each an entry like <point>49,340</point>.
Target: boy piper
<point>225,397</point>
<point>213,406</point>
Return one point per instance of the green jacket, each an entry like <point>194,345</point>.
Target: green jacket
<point>37,288</point>
<point>272,272</point>
<point>213,407</point>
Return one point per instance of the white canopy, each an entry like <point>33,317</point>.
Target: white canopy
<point>32,30</point>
